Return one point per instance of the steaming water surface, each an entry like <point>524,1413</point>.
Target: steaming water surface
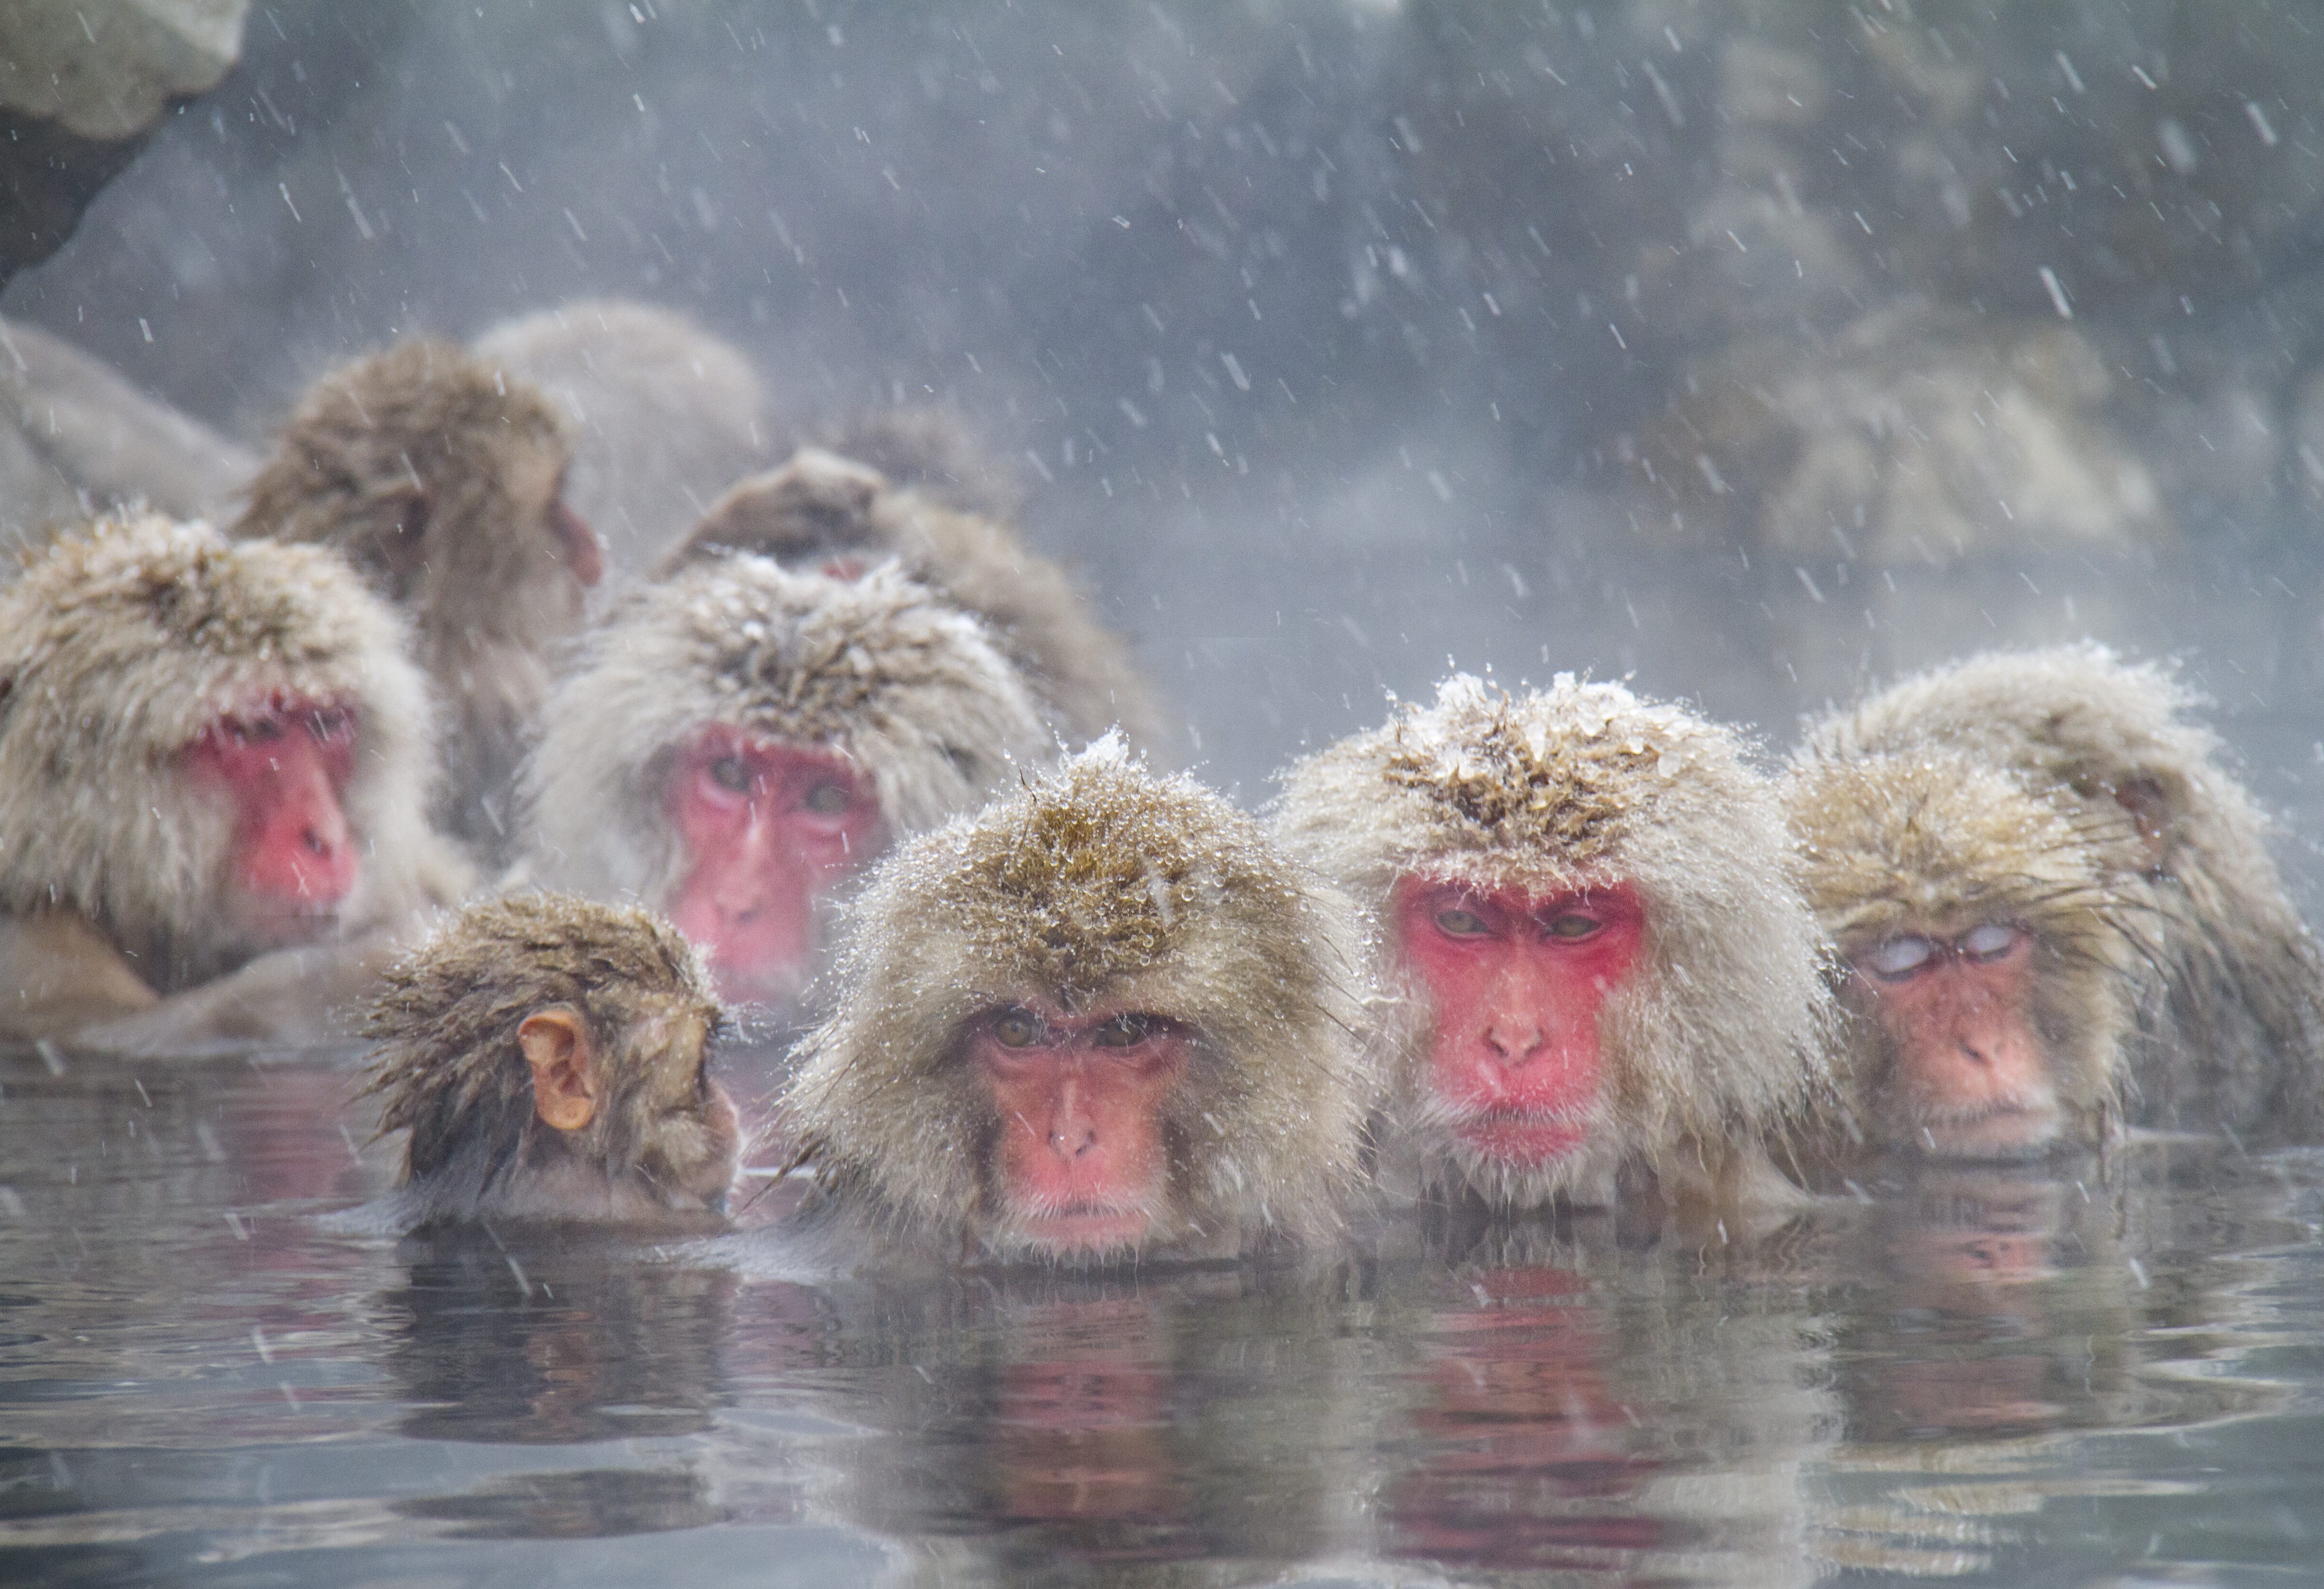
<point>2092,1373</point>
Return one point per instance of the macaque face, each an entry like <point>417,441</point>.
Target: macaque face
<point>1967,1075</point>
<point>766,829</point>
<point>1079,1165</point>
<point>282,765</point>
<point>1516,982</point>
<point>536,481</point>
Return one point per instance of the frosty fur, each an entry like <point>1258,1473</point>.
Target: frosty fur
<point>1718,1039</point>
<point>878,669</point>
<point>818,505</point>
<point>118,647</point>
<point>1098,888</point>
<point>1935,842</point>
<point>2233,988</point>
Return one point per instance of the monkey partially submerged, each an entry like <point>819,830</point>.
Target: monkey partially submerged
<point>821,511</point>
<point>1591,955</point>
<point>1989,964</point>
<point>548,1058</point>
<point>2230,983</point>
<point>1101,1020</point>
<point>442,479</point>
<point>737,739</point>
<point>215,759</point>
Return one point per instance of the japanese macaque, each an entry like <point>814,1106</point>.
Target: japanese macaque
<point>442,479</point>
<point>825,511</point>
<point>736,740</point>
<point>1988,967</point>
<point>208,751</point>
<point>1103,1020</point>
<point>1592,955</point>
<point>2231,984</point>
<point>665,416</point>
<point>550,1059</point>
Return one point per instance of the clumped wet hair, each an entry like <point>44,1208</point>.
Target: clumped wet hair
<point>1100,887</point>
<point>448,1065</point>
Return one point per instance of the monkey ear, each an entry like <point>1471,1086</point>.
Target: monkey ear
<point>557,1046</point>
<point>394,549</point>
<point>2149,810</point>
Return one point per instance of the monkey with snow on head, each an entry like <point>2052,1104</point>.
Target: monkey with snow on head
<point>1591,955</point>
<point>1988,965</point>
<point>209,751</point>
<point>735,741</point>
<point>548,1060</point>
<point>821,511</point>
<point>1103,1020</point>
<point>2231,983</point>
<point>442,479</point>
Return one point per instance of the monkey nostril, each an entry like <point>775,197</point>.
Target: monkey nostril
<point>1975,1055</point>
<point>316,843</point>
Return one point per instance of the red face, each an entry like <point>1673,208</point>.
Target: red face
<point>767,830</point>
<point>284,765</point>
<point>1970,1077</point>
<point>1081,1163</point>
<point>1517,982</point>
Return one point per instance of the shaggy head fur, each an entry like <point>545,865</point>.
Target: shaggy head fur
<point>1718,1037</point>
<point>819,507</point>
<point>1934,843</point>
<point>878,669</point>
<point>2235,996</point>
<point>450,1069</point>
<point>119,647</point>
<point>1100,888</point>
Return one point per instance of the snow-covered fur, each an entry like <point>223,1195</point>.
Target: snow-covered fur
<point>2234,996</point>
<point>665,415</point>
<point>119,646</point>
<point>903,684</point>
<point>819,508</point>
<point>1717,1041</point>
<point>1098,888</point>
<point>1935,842</point>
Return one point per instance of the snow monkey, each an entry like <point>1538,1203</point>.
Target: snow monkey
<point>1592,955</point>
<point>825,511</point>
<point>2230,979</point>
<point>1103,1019</point>
<point>550,1059</point>
<point>209,750</point>
<point>1987,962</point>
<point>442,479</point>
<point>665,416</point>
<point>734,740</point>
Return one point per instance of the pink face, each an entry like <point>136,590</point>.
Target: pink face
<point>767,829</point>
<point>1517,982</point>
<point>1081,1159</point>
<point>284,765</point>
<point>583,554</point>
<point>1970,1075</point>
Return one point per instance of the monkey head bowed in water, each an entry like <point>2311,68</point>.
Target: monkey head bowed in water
<point>1988,965</point>
<point>2231,986</point>
<point>442,479</point>
<point>736,738</point>
<point>209,750</point>
<point>1591,951</point>
<point>548,1058</point>
<point>1103,1019</point>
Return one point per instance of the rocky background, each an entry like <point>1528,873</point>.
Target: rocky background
<point>1756,348</point>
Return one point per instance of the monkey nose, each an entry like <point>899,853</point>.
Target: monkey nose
<point>1070,1140</point>
<point>1974,1055</point>
<point>1514,1039</point>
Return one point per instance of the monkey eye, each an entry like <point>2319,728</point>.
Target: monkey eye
<point>1571,925</point>
<point>257,730</point>
<point>329,722</point>
<point>1122,1031</point>
<point>1900,957</point>
<point>1989,941</point>
<point>731,773</point>
<point>828,799</point>
<point>1461,923</point>
<point>1015,1028</point>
